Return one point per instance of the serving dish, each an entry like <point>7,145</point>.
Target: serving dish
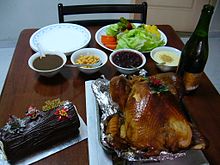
<point>106,109</point>
<point>47,72</point>
<point>166,58</point>
<point>88,52</point>
<point>42,154</point>
<point>123,59</point>
<point>97,154</point>
<point>102,31</point>
<point>63,37</point>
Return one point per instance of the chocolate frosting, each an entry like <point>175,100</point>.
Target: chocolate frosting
<point>38,130</point>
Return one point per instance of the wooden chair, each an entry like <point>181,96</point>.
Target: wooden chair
<point>138,9</point>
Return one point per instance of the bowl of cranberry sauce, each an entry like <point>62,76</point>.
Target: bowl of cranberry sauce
<point>127,61</point>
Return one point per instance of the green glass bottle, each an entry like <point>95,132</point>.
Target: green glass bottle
<point>195,52</point>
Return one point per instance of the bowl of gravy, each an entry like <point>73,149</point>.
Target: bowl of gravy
<point>47,65</point>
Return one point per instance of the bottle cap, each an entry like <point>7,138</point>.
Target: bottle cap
<point>208,8</point>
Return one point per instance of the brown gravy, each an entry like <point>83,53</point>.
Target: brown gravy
<point>47,63</point>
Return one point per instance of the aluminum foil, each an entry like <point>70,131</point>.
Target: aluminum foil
<point>107,108</point>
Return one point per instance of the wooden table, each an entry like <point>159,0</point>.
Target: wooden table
<point>23,88</point>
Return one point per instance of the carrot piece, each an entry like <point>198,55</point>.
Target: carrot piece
<point>106,39</point>
<point>113,47</point>
<point>110,43</point>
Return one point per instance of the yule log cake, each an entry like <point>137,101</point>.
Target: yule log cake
<point>39,129</point>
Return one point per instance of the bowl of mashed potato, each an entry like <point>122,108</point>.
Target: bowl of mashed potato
<point>166,58</point>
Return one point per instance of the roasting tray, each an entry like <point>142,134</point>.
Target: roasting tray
<point>99,153</point>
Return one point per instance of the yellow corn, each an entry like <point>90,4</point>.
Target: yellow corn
<point>87,59</point>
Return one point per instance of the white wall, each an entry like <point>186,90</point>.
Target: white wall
<point>16,15</point>
<point>215,24</point>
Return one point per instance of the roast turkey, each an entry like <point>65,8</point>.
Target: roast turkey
<point>150,119</point>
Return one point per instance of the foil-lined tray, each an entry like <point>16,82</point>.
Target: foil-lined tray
<point>107,108</point>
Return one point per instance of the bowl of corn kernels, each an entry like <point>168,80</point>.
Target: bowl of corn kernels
<point>88,58</point>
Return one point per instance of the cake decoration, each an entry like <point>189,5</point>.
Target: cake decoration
<point>14,125</point>
<point>50,104</point>
<point>32,112</point>
<point>62,113</point>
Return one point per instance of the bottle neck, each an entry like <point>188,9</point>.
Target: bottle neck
<point>202,27</point>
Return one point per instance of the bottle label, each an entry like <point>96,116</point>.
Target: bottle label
<point>191,80</point>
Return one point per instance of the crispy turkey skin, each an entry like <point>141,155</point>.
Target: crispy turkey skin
<point>152,120</point>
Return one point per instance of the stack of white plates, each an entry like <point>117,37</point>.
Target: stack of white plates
<point>63,37</point>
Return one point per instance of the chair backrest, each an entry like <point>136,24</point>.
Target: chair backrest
<point>138,9</point>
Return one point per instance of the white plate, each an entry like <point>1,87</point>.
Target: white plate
<point>63,37</point>
<point>102,31</point>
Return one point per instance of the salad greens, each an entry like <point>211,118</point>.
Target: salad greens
<point>142,38</point>
<point>116,28</point>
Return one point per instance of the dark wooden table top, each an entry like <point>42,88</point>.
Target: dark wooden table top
<point>23,88</point>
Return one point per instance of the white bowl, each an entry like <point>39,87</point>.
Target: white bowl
<point>170,53</point>
<point>90,51</point>
<point>47,73</point>
<point>126,70</point>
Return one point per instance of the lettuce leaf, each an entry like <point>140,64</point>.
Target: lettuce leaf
<point>112,30</point>
<point>139,39</point>
<point>116,28</point>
